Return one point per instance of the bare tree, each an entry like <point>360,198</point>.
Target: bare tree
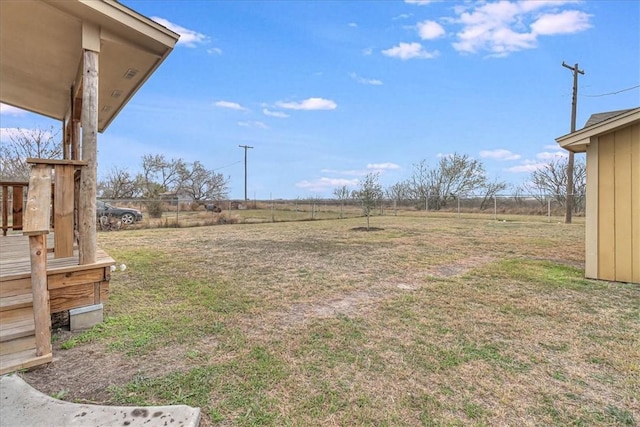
<point>342,194</point>
<point>551,181</point>
<point>119,184</point>
<point>418,186</point>
<point>25,143</point>
<point>161,175</point>
<point>398,191</point>
<point>457,175</point>
<point>491,190</point>
<point>202,184</point>
<point>369,194</point>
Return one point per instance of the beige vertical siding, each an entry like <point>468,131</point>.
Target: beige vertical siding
<point>619,205</point>
<point>635,202</point>
<point>606,203</point>
<point>591,220</point>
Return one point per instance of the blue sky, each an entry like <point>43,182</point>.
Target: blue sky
<point>326,91</point>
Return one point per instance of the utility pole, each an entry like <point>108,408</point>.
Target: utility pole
<point>245,169</point>
<point>574,102</point>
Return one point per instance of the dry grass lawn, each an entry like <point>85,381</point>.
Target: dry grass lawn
<point>426,321</point>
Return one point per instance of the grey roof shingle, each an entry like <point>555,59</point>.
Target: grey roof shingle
<point>601,117</point>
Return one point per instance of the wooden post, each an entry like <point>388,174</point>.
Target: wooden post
<point>36,226</point>
<point>42,318</point>
<point>88,186</point>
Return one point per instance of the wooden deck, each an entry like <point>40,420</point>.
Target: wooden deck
<point>69,286</point>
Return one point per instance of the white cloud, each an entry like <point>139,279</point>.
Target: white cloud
<point>351,172</point>
<point>9,134</point>
<point>253,124</point>
<point>383,166</point>
<point>403,16</point>
<point>324,184</point>
<point>441,155</point>
<point>188,38</point>
<point>270,113</point>
<point>353,25</point>
<point>566,22</point>
<point>309,104</point>
<point>499,154</point>
<point>406,51</point>
<point>230,105</point>
<point>214,51</point>
<point>551,155</point>
<point>365,81</point>
<point>429,30</point>
<point>504,27</point>
<point>11,111</point>
<point>420,2</point>
<point>526,166</point>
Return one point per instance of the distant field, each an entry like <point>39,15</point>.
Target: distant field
<point>423,321</point>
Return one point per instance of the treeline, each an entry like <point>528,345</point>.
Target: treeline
<point>159,176</point>
<point>460,176</point>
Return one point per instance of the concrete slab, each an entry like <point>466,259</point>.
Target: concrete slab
<point>22,405</point>
<point>85,317</point>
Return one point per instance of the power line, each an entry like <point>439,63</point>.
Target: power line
<point>226,166</point>
<point>613,93</point>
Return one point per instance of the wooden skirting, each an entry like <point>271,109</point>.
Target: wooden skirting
<point>69,286</point>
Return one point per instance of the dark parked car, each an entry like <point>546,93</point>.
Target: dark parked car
<point>126,215</point>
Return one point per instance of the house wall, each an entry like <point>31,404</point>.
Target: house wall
<point>613,211</point>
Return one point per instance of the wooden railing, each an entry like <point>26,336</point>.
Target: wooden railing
<point>12,209</point>
<point>63,197</point>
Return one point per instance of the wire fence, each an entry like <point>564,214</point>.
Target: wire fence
<point>184,213</point>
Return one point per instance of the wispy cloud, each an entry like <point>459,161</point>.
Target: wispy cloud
<point>430,30</point>
<point>352,24</point>
<point>10,134</point>
<point>420,2</point>
<point>383,166</point>
<point>499,154</point>
<point>552,155</point>
<point>406,51</point>
<point>324,184</point>
<point>365,81</point>
<point>402,16</point>
<point>230,105</point>
<point>270,113</point>
<point>188,38</point>
<point>309,104</point>
<point>253,124</point>
<point>11,111</point>
<point>526,166</point>
<point>214,51</point>
<point>348,172</point>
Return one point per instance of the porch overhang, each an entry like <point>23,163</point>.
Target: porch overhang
<point>41,45</point>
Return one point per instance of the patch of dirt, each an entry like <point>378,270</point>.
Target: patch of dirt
<point>348,305</point>
<point>459,267</point>
<point>85,373</point>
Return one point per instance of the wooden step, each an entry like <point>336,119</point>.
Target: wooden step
<point>16,324</point>
<point>22,360</point>
<point>16,301</point>
<point>18,344</point>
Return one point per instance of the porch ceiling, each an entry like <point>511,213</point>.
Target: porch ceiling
<point>41,53</point>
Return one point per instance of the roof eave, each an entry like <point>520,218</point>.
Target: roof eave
<point>579,140</point>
